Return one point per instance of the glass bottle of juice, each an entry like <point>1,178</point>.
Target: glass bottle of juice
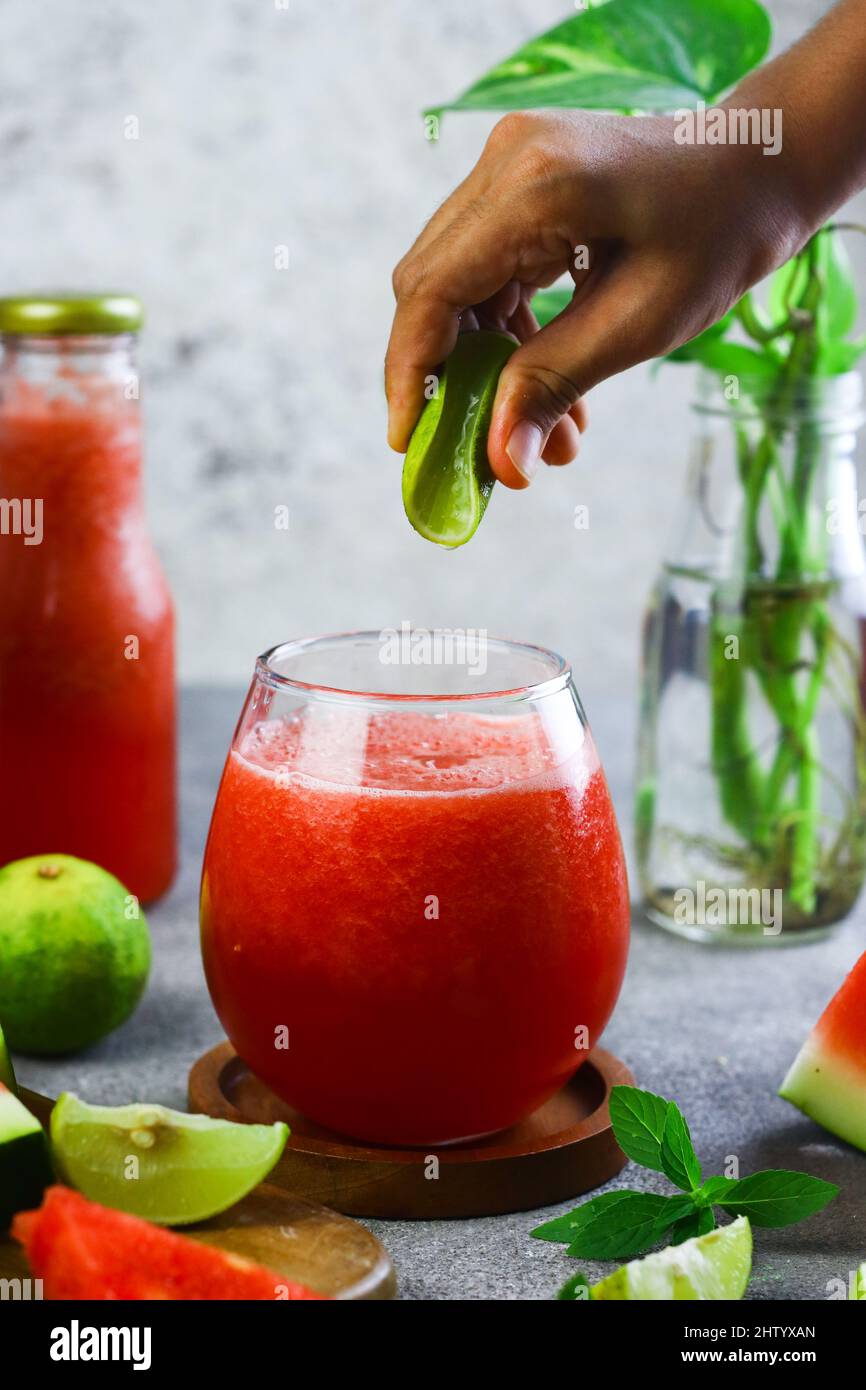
<point>87,705</point>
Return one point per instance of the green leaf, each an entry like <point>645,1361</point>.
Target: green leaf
<point>691,351</point>
<point>629,1227</point>
<point>627,55</point>
<point>775,1197</point>
<point>563,1229</point>
<point>638,1119</point>
<point>679,1160</point>
<point>837,313</point>
<point>784,289</point>
<point>730,359</point>
<point>548,304</point>
<point>697,1223</point>
<point>712,1190</point>
<point>836,358</point>
<point>575,1290</point>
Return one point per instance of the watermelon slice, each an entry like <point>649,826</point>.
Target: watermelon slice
<point>828,1078</point>
<point>82,1250</point>
<point>25,1167</point>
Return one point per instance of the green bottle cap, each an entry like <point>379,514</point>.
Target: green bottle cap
<point>70,313</point>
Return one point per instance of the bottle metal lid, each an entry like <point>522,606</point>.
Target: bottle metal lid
<point>58,313</point>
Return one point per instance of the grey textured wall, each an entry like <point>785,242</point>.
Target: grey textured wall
<point>259,127</point>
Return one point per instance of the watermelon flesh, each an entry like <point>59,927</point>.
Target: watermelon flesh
<point>828,1078</point>
<point>80,1249</point>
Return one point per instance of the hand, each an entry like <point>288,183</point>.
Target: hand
<point>674,235</point>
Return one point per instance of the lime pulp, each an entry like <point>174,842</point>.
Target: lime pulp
<point>160,1164</point>
<point>715,1266</point>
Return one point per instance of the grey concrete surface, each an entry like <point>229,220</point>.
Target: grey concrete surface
<point>714,1029</point>
<point>297,124</point>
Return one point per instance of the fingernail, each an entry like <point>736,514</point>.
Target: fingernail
<point>524,448</point>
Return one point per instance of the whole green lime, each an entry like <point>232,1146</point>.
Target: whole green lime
<point>74,953</point>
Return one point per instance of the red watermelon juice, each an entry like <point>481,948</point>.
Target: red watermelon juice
<point>414,924</point>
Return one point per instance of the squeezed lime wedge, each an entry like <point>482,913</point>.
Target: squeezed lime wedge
<point>447,479</point>
<point>160,1164</point>
<point>711,1267</point>
<point>7,1071</point>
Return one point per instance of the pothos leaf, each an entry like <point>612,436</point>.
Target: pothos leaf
<point>626,55</point>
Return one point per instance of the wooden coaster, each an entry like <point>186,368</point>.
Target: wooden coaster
<point>565,1148</point>
<point>285,1233</point>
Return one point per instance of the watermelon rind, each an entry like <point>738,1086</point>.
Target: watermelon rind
<point>25,1165</point>
<point>829,1089</point>
<point>7,1071</point>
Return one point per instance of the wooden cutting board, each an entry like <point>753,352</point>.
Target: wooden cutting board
<point>296,1238</point>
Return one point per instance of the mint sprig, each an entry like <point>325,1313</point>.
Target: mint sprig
<point>653,1132</point>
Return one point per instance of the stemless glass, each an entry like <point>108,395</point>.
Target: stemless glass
<point>414,907</point>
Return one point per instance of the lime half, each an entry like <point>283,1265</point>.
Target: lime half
<point>715,1266</point>
<point>7,1072</point>
<point>157,1163</point>
<point>447,480</point>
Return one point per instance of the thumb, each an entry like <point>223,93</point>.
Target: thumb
<point>603,333</point>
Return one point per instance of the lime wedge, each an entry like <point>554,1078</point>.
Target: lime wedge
<point>860,1289</point>
<point>714,1266</point>
<point>157,1163</point>
<point>446,474</point>
<point>7,1072</point>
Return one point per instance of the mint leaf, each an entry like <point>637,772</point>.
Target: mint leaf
<point>712,1190</point>
<point>679,1160</point>
<point>775,1197</point>
<point>628,1228</point>
<point>638,1119</point>
<point>575,1290</point>
<point>697,1223</point>
<point>563,1229</point>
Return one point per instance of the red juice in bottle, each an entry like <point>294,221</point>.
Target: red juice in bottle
<point>87,697</point>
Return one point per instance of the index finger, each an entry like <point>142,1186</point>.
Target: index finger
<point>463,266</point>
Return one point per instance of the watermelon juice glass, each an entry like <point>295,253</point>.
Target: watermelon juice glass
<point>414,906</point>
